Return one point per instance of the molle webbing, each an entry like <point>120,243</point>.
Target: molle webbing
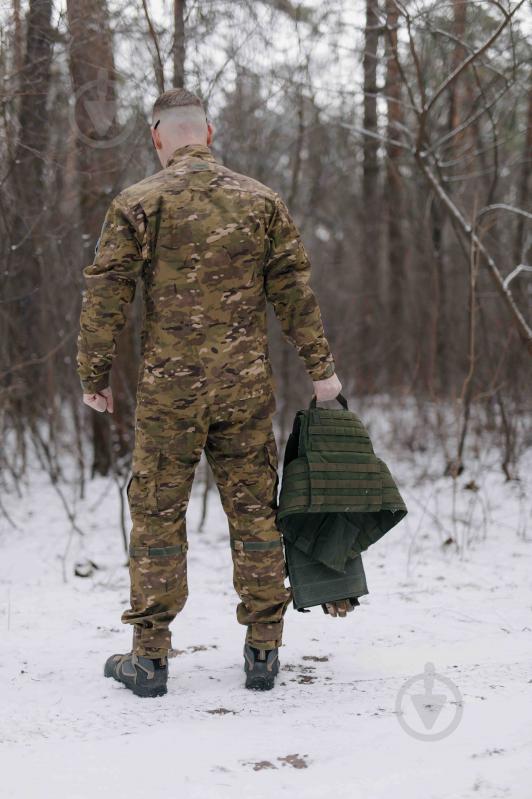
<point>335,469</point>
<point>324,485</point>
<point>330,467</point>
<point>337,434</point>
<point>157,552</point>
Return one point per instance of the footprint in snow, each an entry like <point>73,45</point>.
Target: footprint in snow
<point>220,711</point>
<point>296,761</point>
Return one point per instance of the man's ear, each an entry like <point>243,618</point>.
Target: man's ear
<point>156,139</point>
<point>210,133</point>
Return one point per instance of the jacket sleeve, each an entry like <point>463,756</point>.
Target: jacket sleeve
<point>286,283</point>
<point>110,287</point>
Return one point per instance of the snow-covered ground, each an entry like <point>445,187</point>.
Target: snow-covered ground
<point>330,727</point>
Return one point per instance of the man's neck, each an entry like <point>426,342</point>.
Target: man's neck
<point>193,149</point>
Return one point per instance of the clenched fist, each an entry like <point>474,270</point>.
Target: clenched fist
<point>327,389</point>
<point>102,401</point>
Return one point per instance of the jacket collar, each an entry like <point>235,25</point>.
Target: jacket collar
<point>202,151</point>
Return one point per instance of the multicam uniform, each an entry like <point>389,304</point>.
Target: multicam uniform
<point>211,247</point>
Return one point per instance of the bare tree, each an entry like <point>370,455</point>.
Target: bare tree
<point>26,258</point>
<point>412,197</point>
<point>370,290</point>
<point>395,207</point>
<point>94,83</point>
<point>179,43</point>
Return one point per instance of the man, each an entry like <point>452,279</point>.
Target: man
<point>210,247</point>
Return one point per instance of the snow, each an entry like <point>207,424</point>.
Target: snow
<point>330,726</point>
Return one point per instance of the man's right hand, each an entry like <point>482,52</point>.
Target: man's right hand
<point>339,608</point>
<point>102,401</point>
<point>327,389</point>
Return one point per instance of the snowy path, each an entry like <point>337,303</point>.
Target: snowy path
<point>329,728</point>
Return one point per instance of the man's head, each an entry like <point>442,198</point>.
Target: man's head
<point>178,119</point>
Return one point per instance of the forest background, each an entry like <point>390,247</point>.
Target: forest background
<point>399,134</point>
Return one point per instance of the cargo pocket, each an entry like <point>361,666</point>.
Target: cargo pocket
<point>142,486</point>
<point>259,572</point>
<point>168,497</point>
<point>142,494</point>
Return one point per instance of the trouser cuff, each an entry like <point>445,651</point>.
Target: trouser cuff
<point>150,645</point>
<point>148,652</point>
<point>256,637</point>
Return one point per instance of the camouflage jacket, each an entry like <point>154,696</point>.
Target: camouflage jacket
<point>211,247</point>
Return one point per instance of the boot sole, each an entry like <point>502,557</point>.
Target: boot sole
<point>260,683</point>
<point>148,692</point>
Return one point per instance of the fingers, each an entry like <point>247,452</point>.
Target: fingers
<point>339,608</point>
<point>347,606</point>
<point>108,394</point>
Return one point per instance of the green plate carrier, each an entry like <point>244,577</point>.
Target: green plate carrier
<point>337,498</point>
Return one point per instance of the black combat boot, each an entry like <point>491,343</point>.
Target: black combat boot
<point>261,667</point>
<point>144,676</point>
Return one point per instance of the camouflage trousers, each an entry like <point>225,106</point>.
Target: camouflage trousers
<point>239,444</point>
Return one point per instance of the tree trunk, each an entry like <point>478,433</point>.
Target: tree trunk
<point>449,282</point>
<point>523,195</point>
<point>369,266</point>
<point>456,89</point>
<point>18,40</point>
<point>179,43</point>
<point>93,75</point>
<point>398,293</point>
<point>33,114</point>
<point>26,258</point>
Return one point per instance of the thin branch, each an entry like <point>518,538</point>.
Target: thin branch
<point>522,326</point>
<point>469,121</point>
<point>372,135</point>
<point>503,207</point>
<point>159,68</point>
<point>521,268</point>
<point>471,58</point>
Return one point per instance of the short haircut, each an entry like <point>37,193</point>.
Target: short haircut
<point>176,98</point>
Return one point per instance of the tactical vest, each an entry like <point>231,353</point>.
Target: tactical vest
<point>337,498</point>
